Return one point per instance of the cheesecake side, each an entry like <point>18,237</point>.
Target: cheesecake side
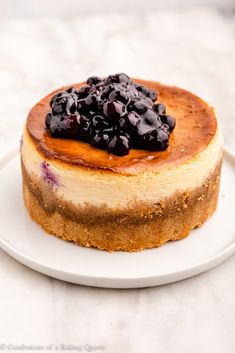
<point>142,227</point>
<point>109,211</point>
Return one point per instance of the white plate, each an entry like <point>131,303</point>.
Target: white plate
<point>24,240</point>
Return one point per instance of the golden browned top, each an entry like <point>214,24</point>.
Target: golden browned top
<point>195,127</point>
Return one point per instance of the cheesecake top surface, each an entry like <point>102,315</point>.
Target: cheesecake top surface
<point>196,125</point>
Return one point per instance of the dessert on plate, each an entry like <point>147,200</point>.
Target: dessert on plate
<point>121,164</point>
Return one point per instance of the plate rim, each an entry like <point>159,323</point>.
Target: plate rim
<point>117,282</point>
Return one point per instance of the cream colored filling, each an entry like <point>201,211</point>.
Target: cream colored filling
<point>83,186</point>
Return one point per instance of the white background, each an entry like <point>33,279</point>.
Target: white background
<point>45,44</point>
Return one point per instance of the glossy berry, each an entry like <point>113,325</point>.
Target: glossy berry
<point>64,126</point>
<point>57,95</point>
<point>106,90</point>
<point>140,105</point>
<point>84,127</point>
<point>159,108</point>
<point>72,90</point>
<point>81,105</point>
<point>129,122</point>
<point>119,145</point>
<point>113,114</point>
<point>83,92</point>
<point>151,119</point>
<point>114,109</point>
<point>119,95</point>
<point>48,119</point>
<point>155,140</point>
<point>101,140</point>
<point>168,120</point>
<point>93,80</point>
<point>118,78</point>
<point>92,100</point>
<point>152,95</point>
<point>132,93</point>
<point>143,91</point>
<point>99,123</point>
<point>65,104</point>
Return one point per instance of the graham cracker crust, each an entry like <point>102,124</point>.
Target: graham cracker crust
<point>137,228</point>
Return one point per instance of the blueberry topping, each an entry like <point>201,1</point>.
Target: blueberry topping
<point>114,114</point>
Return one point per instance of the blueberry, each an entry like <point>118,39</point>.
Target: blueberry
<point>152,95</point>
<point>83,92</point>
<point>124,79</point>
<point>162,141</point>
<point>106,91</point>
<point>48,119</point>
<point>168,120</point>
<point>119,95</point>
<point>142,90</point>
<point>119,145</point>
<point>84,128</point>
<point>151,118</point>
<point>81,105</point>
<point>156,140</point>
<point>72,90</point>
<point>118,78</point>
<point>148,122</point>
<point>159,108</point>
<point>99,123</point>
<point>57,95</point>
<point>93,80</point>
<point>114,109</point>
<point>129,122</point>
<point>139,105</point>
<point>92,100</point>
<point>131,92</point>
<point>64,126</point>
<point>101,140</point>
<point>66,104</point>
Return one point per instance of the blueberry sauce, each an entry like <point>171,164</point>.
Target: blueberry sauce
<point>114,114</point>
<point>48,176</point>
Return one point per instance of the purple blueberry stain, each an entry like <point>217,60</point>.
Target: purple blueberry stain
<point>48,176</point>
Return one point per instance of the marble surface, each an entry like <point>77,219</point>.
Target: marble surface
<point>193,48</point>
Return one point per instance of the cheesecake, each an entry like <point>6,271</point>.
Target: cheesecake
<point>121,164</point>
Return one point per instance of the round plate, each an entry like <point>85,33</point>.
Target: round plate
<point>24,240</point>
